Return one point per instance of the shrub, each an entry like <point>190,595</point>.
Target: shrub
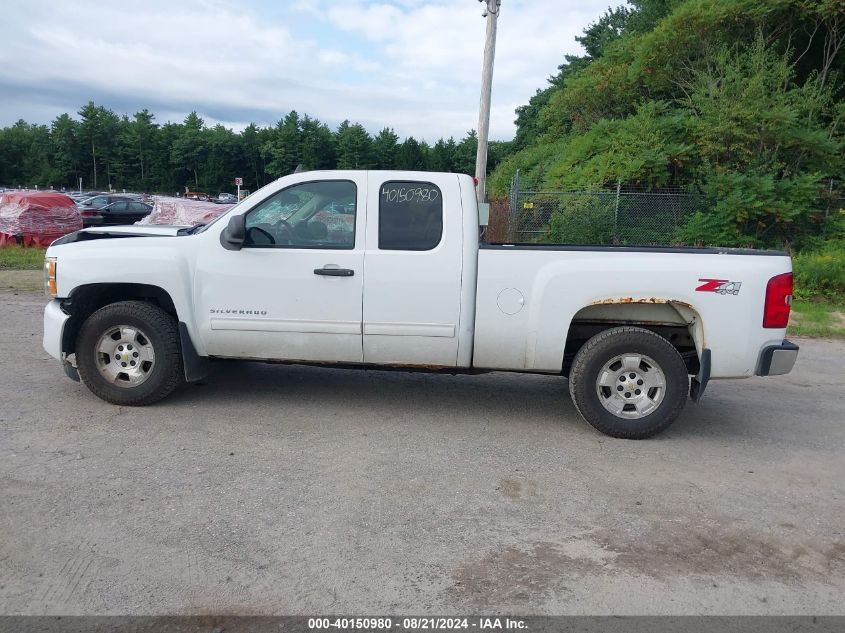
<point>584,218</point>
<point>820,274</point>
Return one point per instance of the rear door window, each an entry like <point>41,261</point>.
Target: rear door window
<point>410,216</point>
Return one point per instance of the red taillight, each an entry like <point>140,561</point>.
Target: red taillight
<point>87,214</point>
<point>778,301</point>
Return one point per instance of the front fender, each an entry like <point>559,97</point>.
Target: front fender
<point>165,263</point>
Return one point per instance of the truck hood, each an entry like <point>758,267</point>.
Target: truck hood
<point>107,232</point>
<point>135,230</point>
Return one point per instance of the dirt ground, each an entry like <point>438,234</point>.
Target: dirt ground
<point>296,490</point>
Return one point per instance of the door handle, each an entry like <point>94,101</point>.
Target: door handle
<point>334,272</point>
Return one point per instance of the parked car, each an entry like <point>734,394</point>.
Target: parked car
<point>99,200</point>
<point>226,198</point>
<point>79,196</point>
<point>404,281</point>
<point>123,211</point>
<point>36,218</point>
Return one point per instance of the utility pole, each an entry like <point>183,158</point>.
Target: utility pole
<point>492,15</point>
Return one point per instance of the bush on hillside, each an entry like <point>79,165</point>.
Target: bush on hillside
<point>820,274</point>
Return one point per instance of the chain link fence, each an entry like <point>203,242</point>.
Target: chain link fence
<point>618,216</point>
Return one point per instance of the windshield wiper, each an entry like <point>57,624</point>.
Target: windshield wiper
<point>190,230</point>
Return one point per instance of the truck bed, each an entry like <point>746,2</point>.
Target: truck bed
<point>528,296</point>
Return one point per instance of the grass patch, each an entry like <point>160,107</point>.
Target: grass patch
<point>20,258</point>
<point>25,280</point>
<point>821,320</point>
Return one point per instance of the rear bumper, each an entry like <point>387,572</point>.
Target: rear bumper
<point>54,327</point>
<point>776,360</point>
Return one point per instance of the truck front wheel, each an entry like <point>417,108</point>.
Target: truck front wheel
<point>629,382</point>
<point>128,353</point>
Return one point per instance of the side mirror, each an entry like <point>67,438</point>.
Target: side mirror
<point>233,236</point>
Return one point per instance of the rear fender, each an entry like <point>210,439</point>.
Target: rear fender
<point>663,316</point>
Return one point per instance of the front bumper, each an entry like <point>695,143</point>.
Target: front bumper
<point>776,360</point>
<point>54,327</point>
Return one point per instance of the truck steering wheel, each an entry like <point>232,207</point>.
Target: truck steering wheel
<point>285,225</point>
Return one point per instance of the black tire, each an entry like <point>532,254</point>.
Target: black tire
<point>602,349</point>
<point>161,333</point>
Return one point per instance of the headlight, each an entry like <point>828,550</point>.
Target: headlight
<point>50,276</point>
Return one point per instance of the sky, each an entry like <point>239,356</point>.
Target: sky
<point>414,66</point>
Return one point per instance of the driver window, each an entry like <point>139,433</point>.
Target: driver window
<point>308,215</point>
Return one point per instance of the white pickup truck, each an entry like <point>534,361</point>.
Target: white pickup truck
<point>357,268</point>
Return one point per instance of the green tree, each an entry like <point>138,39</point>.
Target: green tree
<point>97,131</point>
<point>190,147</point>
<point>16,143</point>
<point>137,144</point>
<point>169,177</point>
<point>283,150</point>
<point>737,99</point>
<point>222,155</point>
<point>37,164</point>
<point>385,149</point>
<point>410,155</point>
<point>465,154</point>
<point>318,150</point>
<point>612,25</point>
<point>253,139</point>
<point>442,155</point>
<point>67,154</point>
<point>354,147</point>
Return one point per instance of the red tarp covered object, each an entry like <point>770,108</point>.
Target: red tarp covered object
<point>36,218</point>
<point>183,212</point>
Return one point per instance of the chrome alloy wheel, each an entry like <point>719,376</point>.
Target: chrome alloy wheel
<point>125,356</point>
<point>631,386</point>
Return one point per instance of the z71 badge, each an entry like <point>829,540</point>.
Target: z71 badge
<point>719,286</point>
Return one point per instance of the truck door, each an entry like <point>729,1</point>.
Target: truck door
<point>294,291</point>
<point>412,269</point>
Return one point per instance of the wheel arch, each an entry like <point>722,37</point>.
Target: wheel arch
<point>84,300</point>
<point>676,321</point>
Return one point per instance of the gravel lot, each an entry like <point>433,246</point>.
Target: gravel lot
<point>296,490</point>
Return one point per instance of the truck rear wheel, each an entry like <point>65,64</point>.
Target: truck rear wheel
<point>629,382</point>
<point>128,353</point>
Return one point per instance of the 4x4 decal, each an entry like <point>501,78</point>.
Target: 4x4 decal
<point>719,286</point>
